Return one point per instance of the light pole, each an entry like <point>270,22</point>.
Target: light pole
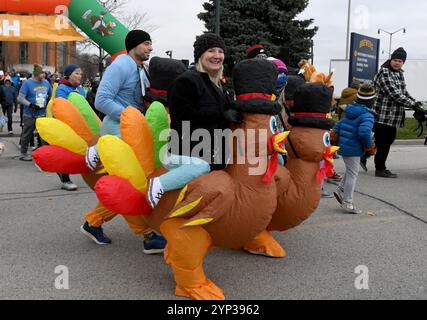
<point>217,16</point>
<point>169,53</point>
<point>391,36</point>
<point>347,53</point>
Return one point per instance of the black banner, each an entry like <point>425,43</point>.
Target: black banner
<point>364,58</point>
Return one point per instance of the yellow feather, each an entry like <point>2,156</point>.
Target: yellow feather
<point>181,196</point>
<point>198,222</point>
<point>182,211</point>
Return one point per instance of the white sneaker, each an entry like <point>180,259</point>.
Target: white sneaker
<point>69,186</point>
<point>155,192</point>
<point>92,158</point>
<point>350,208</point>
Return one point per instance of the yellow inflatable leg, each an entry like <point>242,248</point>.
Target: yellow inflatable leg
<point>184,252</point>
<point>264,244</point>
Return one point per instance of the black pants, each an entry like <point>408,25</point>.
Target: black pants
<point>64,177</point>
<point>8,111</point>
<point>384,138</point>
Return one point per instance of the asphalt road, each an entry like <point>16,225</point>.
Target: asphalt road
<point>39,230</point>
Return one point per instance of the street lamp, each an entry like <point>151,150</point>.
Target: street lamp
<point>391,35</point>
<point>169,53</point>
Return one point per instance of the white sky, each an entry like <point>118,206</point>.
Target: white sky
<point>177,25</point>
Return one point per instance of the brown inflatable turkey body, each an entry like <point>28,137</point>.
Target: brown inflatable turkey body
<point>234,208</point>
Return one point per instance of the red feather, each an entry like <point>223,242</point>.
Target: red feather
<point>57,159</point>
<point>119,196</point>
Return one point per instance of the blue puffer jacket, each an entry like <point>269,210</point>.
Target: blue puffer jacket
<point>355,130</point>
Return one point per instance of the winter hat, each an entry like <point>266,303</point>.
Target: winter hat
<point>163,72</point>
<point>254,84</point>
<point>255,50</point>
<point>400,53</point>
<point>355,84</point>
<point>366,94</point>
<point>70,69</point>
<point>312,107</point>
<point>135,37</point>
<point>37,69</point>
<point>281,66</point>
<point>206,42</point>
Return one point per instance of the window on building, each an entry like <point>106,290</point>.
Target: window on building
<point>62,55</point>
<point>23,53</point>
<point>45,54</point>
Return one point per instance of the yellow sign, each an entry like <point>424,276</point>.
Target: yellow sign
<point>37,29</point>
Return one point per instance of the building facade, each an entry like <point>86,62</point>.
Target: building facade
<point>21,56</point>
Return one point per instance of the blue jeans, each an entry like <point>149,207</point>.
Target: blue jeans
<point>182,170</point>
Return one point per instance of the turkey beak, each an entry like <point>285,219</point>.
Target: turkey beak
<point>330,155</point>
<point>279,142</point>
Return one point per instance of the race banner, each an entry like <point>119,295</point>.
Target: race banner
<point>364,58</point>
<point>37,29</point>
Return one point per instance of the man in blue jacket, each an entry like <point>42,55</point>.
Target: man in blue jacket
<point>124,84</point>
<point>355,135</point>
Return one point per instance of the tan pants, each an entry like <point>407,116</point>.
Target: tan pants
<point>100,214</point>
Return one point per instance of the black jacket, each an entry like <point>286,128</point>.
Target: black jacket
<point>195,99</point>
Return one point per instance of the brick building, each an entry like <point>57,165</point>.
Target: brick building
<point>21,56</point>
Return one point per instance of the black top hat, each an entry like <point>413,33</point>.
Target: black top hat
<point>255,83</point>
<point>294,82</point>
<point>312,107</point>
<point>163,72</point>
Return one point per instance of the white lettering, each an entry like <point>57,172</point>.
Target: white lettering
<point>7,28</point>
<point>62,281</point>
<point>362,281</point>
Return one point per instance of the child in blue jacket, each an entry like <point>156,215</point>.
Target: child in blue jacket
<point>355,135</point>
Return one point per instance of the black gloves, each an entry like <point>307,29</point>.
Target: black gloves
<point>233,116</point>
<point>420,115</point>
<point>34,107</point>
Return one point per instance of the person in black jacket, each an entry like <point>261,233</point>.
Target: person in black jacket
<point>196,101</point>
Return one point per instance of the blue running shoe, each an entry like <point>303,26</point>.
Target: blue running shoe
<point>96,234</point>
<point>154,243</point>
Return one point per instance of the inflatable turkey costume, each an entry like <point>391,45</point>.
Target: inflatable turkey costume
<point>235,208</point>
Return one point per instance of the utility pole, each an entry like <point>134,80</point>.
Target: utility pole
<point>217,16</point>
<point>347,53</point>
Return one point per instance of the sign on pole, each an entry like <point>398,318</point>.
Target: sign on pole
<point>364,58</point>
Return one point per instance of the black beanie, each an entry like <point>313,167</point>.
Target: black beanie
<point>206,42</point>
<point>400,54</point>
<point>135,37</point>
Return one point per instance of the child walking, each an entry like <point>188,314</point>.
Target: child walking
<point>355,136</point>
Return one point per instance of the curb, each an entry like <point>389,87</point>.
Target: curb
<point>410,142</point>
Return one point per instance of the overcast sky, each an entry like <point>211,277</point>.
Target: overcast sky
<point>177,25</point>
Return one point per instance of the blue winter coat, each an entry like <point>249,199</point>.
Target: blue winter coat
<point>355,130</point>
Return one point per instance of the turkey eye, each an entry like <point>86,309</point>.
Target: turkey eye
<point>273,125</point>
<point>327,139</point>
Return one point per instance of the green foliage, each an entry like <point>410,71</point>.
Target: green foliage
<point>271,23</point>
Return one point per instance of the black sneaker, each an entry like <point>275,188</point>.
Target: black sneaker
<point>96,234</point>
<point>385,174</point>
<point>363,162</point>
